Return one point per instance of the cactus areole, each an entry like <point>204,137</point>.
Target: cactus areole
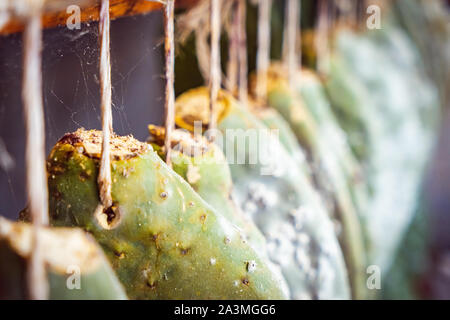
<point>162,238</point>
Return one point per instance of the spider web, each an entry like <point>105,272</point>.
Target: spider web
<point>71,90</point>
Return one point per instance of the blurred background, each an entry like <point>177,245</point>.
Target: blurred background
<point>71,100</point>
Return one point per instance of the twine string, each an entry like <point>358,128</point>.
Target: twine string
<point>169,48</point>
<point>242,51</point>
<point>237,63</point>
<point>233,51</point>
<point>291,25</point>
<point>322,28</point>
<point>36,176</point>
<point>263,54</point>
<point>197,21</point>
<point>104,177</point>
<point>215,72</point>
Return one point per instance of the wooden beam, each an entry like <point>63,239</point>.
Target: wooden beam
<point>57,16</point>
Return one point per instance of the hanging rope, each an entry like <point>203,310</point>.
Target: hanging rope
<point>169,48</point>
<point>322,37</point>
<point>347,12</point>
<point>263,55</point>
<point>197,20</point>
<point>291,26</point>
<point>237,63</point>
<point>36,184</point>
<point>215,73</point>
<point>353,14</point>
<point>233,51</point>
<point>334,14</point>
<point>361,13</point>
<point>242,51</point>
<point>104,177</point>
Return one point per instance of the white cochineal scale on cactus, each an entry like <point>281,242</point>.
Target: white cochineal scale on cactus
<point>288,240</point>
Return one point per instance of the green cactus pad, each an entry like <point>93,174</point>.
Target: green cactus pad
<point>163,240</point>
<point>335,170</point>
<point>353,108</point>
<point>405,129</point>
<point>278,196</point>
<point>204,166</point>
<point>274,121</point>
<point>68,253</point>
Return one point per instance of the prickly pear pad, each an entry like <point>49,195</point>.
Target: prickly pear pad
<point>282,202</point>
<point>204,166</point>
<point>336,170</point>
<point>69,254</point>
<point>163,240</point>
<point>274,121</point>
